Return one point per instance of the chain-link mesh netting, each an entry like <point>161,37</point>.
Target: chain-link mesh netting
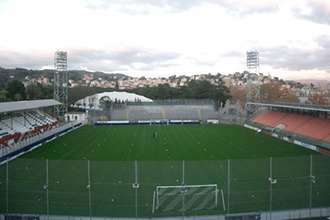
<point>163,188</point>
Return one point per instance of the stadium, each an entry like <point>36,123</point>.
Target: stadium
<point>177,159</point>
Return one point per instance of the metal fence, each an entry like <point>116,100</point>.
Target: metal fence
<point>127,189</point>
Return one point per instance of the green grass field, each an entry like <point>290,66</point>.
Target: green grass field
<point>233,157</point>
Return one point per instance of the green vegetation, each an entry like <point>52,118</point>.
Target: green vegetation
<point>196,89</point>
<point>234,158</point>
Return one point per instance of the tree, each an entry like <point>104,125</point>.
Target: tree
<point>16,90</point>
<point>317,97</point>
<point>34,91</point>
<point>205,90</point>
<point>238,93</point>
<point>163,91</point>
<point>194,90</point>
<point>287,96</point>
<point>276,92</point>
<point>221,95</point>
<point>269,92</point>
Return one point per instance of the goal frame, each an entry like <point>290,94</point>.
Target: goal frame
<point>156,196</point>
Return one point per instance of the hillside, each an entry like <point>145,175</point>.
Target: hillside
<point>316,82</point>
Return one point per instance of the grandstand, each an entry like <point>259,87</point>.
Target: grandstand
<point>23,123</point>
<point>307,123</point>
<point>127,188</point>
<point>195,110</point>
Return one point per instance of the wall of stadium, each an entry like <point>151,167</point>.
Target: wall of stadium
<point>274,215</point>
<point>148,122</point>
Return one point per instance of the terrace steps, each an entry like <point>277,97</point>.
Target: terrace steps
<point>271,118</point>
<point>305,125</point>
<point>200,116</point>
<point>318,128</point>
<point>21,125</point>
<point>128,110</point>
<point>163,112</point>
<point>294,121</point>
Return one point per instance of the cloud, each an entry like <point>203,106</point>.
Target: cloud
<point>132,7</point>
<point>122,59</point>
<point>243,7</point>
<point>166,36</point>
<point>29,59</point>
<point>317,11</point>
<point>297,58</point>
<point>143,6</point>
<point>234,54</point>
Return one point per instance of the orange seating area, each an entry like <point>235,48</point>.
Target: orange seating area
<point>270,118</point>
<point>294,121</point>
<point>317,128</point>
<point>327,138</point>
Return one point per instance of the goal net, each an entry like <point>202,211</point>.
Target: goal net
<point>185,197</point>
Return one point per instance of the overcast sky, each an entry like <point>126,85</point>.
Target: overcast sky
<point>168,37</point>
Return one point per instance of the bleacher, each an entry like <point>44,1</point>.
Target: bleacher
<point>140,112</point>
<point>180,111</point>
<point>4,127</point>
<point>22,120</point>
<point>184,112</point>
<point>297,124</point>
<point>208,112</point>
<point>317,128</point>
<point>271,118</point>
<point>22,125</point>
<point>294,121</point>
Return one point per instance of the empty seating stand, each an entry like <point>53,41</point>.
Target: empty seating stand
<point>21,125</point>
<point>270,118</point>
<point>293,121</point>
<point>304,125</point>
<point>318,128</point>
<point>147,112</point>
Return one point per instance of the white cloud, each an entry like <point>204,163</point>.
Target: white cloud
<point>185,37</point>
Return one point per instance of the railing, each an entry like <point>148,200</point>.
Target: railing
<point>63,189</point>
<point>275,215</point>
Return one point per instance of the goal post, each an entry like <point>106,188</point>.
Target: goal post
<point>195,197</point>
<point>159,122</point>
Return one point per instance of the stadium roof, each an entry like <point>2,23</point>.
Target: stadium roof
<point>25,105</point>
<point>93,101</point>
<point>324,108</point>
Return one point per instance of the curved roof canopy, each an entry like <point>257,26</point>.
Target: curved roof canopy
<point>93,101</point>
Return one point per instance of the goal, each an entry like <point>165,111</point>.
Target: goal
<point>185,197</point>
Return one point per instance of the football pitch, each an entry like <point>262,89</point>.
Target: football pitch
<point>159,170</point>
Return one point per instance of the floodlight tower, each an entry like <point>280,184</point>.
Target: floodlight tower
<point>61,83</point>
<point>253,82</point>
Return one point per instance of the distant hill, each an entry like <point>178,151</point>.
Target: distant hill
<point>77,74</point>
<point>24,74</point>
<point>316,82</point>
